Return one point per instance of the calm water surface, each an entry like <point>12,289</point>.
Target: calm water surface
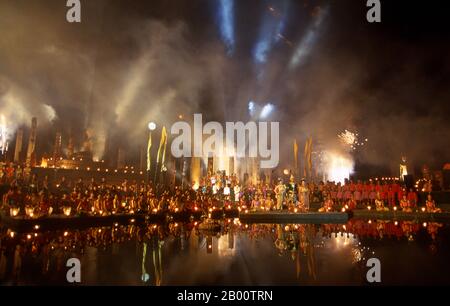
<point>230,253</point>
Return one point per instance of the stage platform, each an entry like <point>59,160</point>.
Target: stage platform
<point>290,217</point>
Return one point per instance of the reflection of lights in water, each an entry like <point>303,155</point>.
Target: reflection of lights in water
<point>145,277</point>
<point>225,246</point>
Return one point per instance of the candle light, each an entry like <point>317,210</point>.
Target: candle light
<point>67,210</point>
<point>423,209</point>
<point>395,208</point>
<point>14,211</point>
<point>29,211</point>
<point>369,207</point>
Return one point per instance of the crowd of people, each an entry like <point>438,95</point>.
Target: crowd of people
<point>33,196</point>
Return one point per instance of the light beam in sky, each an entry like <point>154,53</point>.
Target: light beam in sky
<point>266,111</point>
<point>271,32</point>
<point>307,43</point>
<point>226,24</point>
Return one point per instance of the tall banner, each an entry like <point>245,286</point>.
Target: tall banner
<point>310,157</point>
<point>210,167</point>
<point>160,158</point>
<point>307,169</point>
<point>305,160</point>
<point>162,147</point>
<point>149,146</point>
<point>295,157</point>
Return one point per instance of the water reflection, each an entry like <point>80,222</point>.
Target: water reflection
<point>223,252</point>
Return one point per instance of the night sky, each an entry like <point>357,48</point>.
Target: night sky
<point>129,62</point>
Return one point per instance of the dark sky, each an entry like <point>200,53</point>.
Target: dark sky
<point>129,62</point>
